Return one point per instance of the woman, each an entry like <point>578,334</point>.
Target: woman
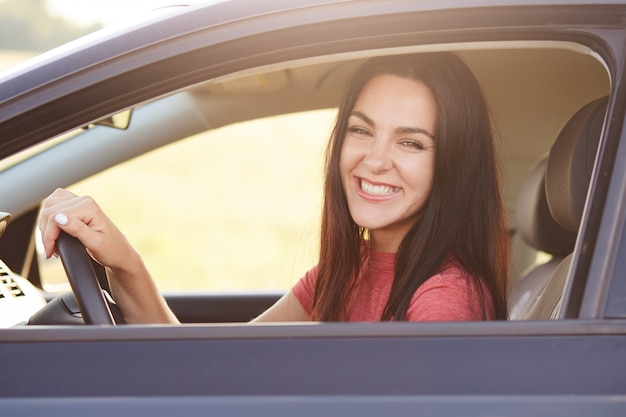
<point>412,226</point>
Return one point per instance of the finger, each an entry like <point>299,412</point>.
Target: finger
<point>73,226</point>
<point>53,216</point>
<point>55,202</point>
<point>57,196</point>
<point>50,230</point>
<point>82,218</point>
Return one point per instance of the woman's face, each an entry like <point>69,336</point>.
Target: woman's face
<point>387,158</point>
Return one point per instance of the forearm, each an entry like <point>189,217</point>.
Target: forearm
<point>137,295</point>
<point>287,309</point>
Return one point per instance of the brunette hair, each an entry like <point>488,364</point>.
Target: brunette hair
<point>463,220</point>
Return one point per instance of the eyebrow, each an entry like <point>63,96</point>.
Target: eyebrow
<point>416,130</point>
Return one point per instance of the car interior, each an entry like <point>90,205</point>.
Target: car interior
<point>548,101</point>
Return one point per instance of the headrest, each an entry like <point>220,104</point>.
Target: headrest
<point>534,221</point>
<point>571,161</point>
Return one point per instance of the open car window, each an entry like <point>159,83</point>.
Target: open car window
<point>237,207</point>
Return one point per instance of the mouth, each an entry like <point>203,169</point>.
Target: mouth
<point>378,190</point>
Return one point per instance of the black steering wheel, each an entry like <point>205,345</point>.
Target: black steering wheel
<point>84,281</point>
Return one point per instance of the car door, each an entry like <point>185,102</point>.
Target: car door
<point>525,367</point>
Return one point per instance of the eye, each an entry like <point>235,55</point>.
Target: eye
<point>413,144</point>
<point>359,131</point>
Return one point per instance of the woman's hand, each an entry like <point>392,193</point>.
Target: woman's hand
<point>131,284</point>
<point>82,218</point>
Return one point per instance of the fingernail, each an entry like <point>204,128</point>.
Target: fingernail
<point>61,219</point>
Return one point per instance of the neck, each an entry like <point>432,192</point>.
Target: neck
<point>385,242</point>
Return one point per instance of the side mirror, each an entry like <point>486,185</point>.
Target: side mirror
<point>4,221</point>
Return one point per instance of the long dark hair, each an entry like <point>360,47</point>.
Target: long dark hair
<point>463,220</point>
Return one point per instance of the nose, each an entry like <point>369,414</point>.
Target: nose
<point>378,157</point>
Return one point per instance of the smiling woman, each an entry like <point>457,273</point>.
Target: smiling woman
<point>404,236</point>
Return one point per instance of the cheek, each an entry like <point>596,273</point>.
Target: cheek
<point>422,174</point>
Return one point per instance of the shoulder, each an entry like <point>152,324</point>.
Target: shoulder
<point>450,277</point>
<point>450,295</point>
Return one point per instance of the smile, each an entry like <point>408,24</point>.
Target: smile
<point>377,190</point>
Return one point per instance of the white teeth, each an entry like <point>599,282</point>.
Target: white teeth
<point>377,189</point>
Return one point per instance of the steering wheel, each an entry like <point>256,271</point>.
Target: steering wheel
<point>84,281</point>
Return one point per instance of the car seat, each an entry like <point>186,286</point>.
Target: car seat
<point>568,175</point>
<point>539,230</point>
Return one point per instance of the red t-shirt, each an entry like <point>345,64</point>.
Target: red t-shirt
<point>451,295</point>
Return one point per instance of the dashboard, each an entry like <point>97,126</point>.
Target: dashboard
<point>19,299</point>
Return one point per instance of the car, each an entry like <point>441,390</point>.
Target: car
<point>552,73</point>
